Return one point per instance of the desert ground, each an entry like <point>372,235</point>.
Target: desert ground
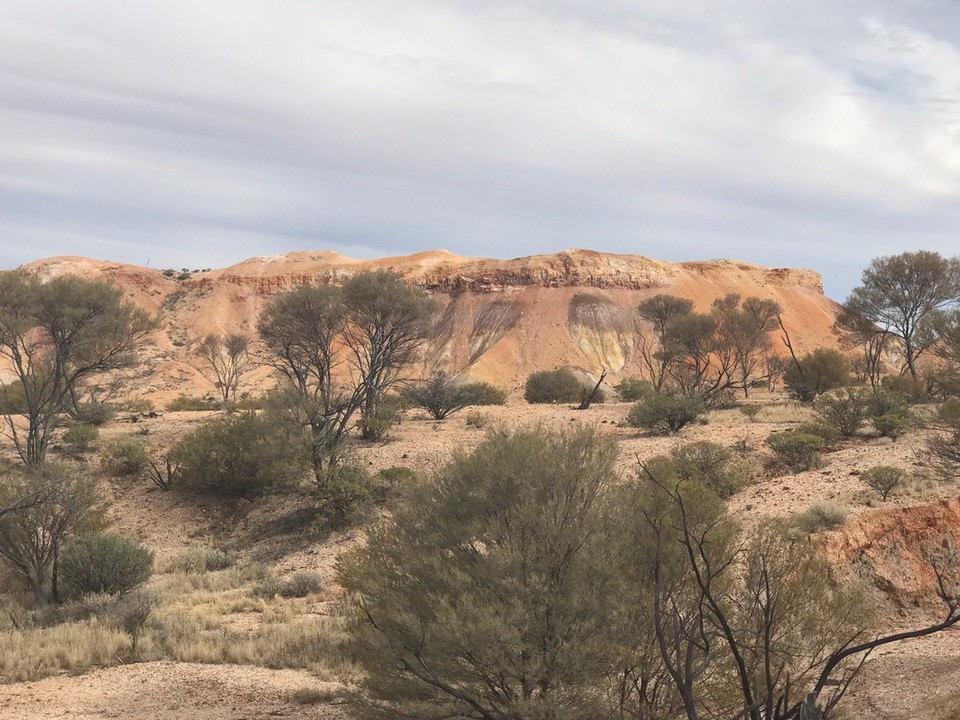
<point>217,647</point>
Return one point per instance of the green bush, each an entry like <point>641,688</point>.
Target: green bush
<point>891,425</point>
<point>823,369</point>
<point>825,515</point>
<point>713,465</point>
<point>915,389</point>
<point>103,563</point>
<point>241,456</point>
<point>441,396</point>
<point>889,412</point>
<point>81,436</point>
<point>663,413</point>
<point>796,450</point>
<point>124,456</point>
<point>343,495</point>
<point>631,389</point>
<point>94,413</point>
<point>389,413</point>
<point>13,399</point>
<point>829,433</point>
<point>884,479</point>
<point>186,403</point>
<point>553,386</point>
<point>845,410</point>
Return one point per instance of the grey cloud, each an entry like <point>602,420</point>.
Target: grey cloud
<point>814,134</point>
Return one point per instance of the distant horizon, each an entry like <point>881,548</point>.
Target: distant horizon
<point>200,268</point>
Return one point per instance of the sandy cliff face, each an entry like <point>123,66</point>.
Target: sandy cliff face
<point>501,319</point>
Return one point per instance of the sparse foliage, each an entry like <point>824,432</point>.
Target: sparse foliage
<point>663,413</point>
<point>441,395</point>
<point>815,373</point>
<point>884,479</point>
<point>227,359</point>
<point>55,336</point>
<point>388,322</point>
<point>900,294</point>
<point>31,538</point>
<point>845,410</point>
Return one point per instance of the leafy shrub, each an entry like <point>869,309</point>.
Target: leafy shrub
<point>663,413</point>
<point>81,436</point>
<point>829,433</point>
<point>94,413</point>
<point>389,413</point>
<point>103,563</point>
<point>796,450</point>
<point>124,456</point>
<point>884,479</point>
<point>632,389</point>
<point>823,369</point>
<point>913,388</point>
<point>344,493</point>
<point>553,386</point>
<point>845,410</point>
<point>713,465</point>
<point>442,396</point>
<point>13,399</point>
<point>825,515</point>
<point>204,559</point>
<point>186,403</point>
<point>889,412</point>
<point>884,401</point>
<point>240,457</point>
<point>891,425</point>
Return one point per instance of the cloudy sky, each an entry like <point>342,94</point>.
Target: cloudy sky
<point>787,133</point>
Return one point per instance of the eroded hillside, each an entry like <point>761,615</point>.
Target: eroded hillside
<point>501,319</point>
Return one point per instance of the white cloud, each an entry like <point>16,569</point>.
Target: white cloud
<point>815,134</point>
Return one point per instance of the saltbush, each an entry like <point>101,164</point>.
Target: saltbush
<point>442,396</point>
<point>82,436</point>
<point>553,386</point>
<point>631,389</point>
<point>713,465</point>
<point>889,412</point>
<point>124,456</point>
<point>826,515</point>
<point>93,413</point>
<point>915,389</point>
<point>796,450</point>
<point>241,456</point>
<point>103,563</point>
<point>884,479</point>
<point>823,369</point>
<point>845,410</point>
<point>663,413</point>
<point>186,403</point>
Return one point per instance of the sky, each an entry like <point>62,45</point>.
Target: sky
<point>798,133</point>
